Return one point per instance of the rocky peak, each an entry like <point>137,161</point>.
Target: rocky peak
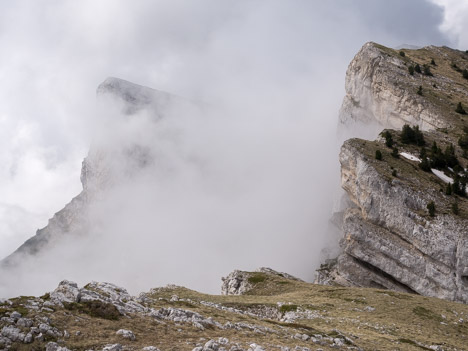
<point>390,239</point>
<point>97,172</point>
<point>134,97</point>
<point>380,91</point>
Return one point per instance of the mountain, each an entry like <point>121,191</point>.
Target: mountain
<point>262,310</point>
<point>125,100</point>
<point>390,238</point>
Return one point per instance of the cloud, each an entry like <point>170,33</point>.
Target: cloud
<point>454,21</point>
<point>273,70</point>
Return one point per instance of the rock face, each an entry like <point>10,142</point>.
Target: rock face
<point>380,90</point>
<point>97,171</point>
<point>390,243</point>
<point>389,240</point>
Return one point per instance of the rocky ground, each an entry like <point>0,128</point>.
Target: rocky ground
<point>265,310</point>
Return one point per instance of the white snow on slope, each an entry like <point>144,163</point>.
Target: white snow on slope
<point>410,157</point>
<point>442,175</point>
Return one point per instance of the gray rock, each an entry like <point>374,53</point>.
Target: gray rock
<point>43,328</point>
<point>29,338</point>
<point>211,345</point>
<point>126,334</point>
<point>12,333</point>
<point>112,347</point>
<point>15,315</point>
<point>150,348</point>
<point>53,346</point>
<point>236,283</point>
<point>24,322</point>
<point>67,291</point>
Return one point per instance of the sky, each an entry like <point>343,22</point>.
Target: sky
<point>273,69</point>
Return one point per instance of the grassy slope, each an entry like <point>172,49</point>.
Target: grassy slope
<point>399,321</point>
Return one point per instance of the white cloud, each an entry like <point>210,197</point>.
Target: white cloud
<point>455,24</point>
<point>275,68</point>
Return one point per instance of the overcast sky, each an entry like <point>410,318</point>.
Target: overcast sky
<point>267,57</point>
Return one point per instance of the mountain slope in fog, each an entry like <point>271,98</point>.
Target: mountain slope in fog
<point>127,99</point>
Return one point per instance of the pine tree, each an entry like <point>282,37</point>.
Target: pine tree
<point>395,152</point>
<point>431,208</point>
<point>407,134</point>
<point>378,155</point>
<point>417,68</point>
<point>433,62</point>
<point>465,73</point>
<point>427,71</point>
<point>420,92</point>
<point>402,54</point>
<point>425,165</point>
<point>455,209</point>
<point>418,137</point>
<point>460,109</point>
<point>394,173</point>
<point>448,189</point>
<point>388,138</point>
<point>450,158</point>
<point>411,70</point>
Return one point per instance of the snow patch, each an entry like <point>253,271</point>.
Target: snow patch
<point>442,175</point>
<point>410,157</point>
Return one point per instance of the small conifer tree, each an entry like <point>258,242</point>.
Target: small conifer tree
<point>417,68</point>
<point>427,70</point>
<point>402,54</point>
<point>455,209</point>
<point>431,208</point>
<point>407,134</point>
<point>433,62</point>
<point>395,152</point>
<point>465,73</point>
<point>378,155</point>
<point>420,92</point>
<point>425,165</point>
<point>448,189</point>
<point>411,70</point>
<point>388,139</point>
<point>460,109</point>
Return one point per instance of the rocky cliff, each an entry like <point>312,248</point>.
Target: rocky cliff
<point>121,99</point>
<point>390,240</point>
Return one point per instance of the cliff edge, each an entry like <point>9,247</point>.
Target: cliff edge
<point>406,225</point>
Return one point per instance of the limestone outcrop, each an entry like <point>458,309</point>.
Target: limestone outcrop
<point>389,239</point>
<point>380,90</point>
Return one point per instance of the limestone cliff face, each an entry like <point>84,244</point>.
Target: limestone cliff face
<point>389,240</point>
<point>97,171</point>
<point>380,90</point>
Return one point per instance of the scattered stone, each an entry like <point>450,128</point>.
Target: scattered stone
<point>13,333</point>
<point>24,322</point>
<point>112,347</point>
<point>53,346</point>
<point>15,315</point>
<point>126,334</point>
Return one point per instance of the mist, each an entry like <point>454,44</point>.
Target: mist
<point>247,181</point>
